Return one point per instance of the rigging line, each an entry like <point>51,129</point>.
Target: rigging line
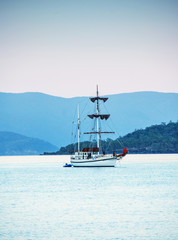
<point>75,123</point>
<point>115,145</point>
<point>108,145</point>
<point>105,108</point>
<point>72,133</point>
<point>84,107</point>
<point>100,139</point>
<point>112,121</point>
<point>74,129</point>
<point>117,139</point>
<point>120,142</point>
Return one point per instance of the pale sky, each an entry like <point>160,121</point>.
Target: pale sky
<point>66,47</point>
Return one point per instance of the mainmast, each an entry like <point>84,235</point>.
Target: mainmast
<point>97,120</point>
<point>97,115</point>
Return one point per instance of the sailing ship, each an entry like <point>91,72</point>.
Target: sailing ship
<point>92,156</point>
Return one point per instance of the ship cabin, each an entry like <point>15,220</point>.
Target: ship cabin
<point>86,153</point>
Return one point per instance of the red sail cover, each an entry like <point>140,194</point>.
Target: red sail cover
<point>102,116</point>
<point>124,153</point>
<point>98,98</point>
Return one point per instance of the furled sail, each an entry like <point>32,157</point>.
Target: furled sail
<point>93,99</point>
<point>102,116</point>
<point>93,149</point>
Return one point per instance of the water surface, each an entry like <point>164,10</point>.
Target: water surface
<point>136,200</point>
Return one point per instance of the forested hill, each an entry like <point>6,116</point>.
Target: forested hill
<point>161,138</point>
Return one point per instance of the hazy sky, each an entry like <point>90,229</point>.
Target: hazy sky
<point>66,47</point>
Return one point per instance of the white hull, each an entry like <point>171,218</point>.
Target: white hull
<point>97,162</point>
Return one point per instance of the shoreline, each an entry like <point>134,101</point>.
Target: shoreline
<point>35,159</point>
<point>66,158</point>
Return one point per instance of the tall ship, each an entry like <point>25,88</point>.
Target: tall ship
<point>94,156</point>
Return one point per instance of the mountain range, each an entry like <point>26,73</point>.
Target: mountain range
<point>50,118</point>
<point>17,144</point>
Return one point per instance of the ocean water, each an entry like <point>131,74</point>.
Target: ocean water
<point>41,200</point>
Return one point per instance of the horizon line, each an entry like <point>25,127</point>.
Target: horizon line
<point>54,95</point>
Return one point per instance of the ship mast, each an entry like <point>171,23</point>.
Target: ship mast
<point>78,123</point>
<point>97,115</point>
<point>97,121</point>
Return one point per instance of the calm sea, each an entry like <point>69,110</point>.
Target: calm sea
<point>41,200</point>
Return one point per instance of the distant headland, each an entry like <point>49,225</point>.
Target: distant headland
<point>161,138</point>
